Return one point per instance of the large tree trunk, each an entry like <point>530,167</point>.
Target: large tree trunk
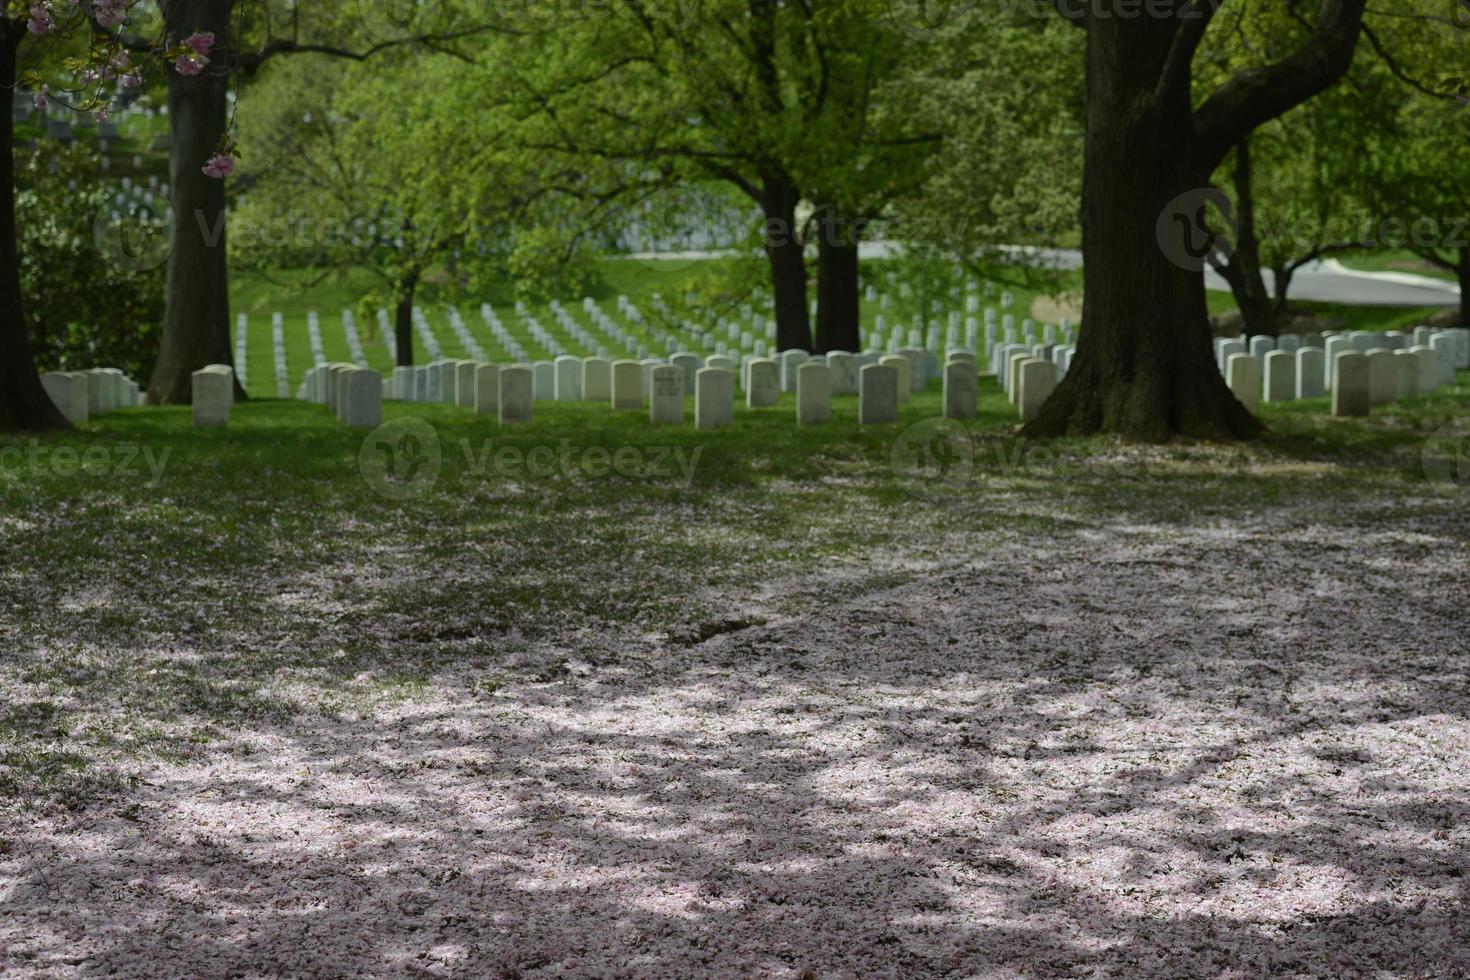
<point>24,405</point>
<point>839,309</point>
<point>196,328</point>
<point>779,198</point>
<point>1463,271</point>
<point>1243,271</point>
<point>1145,366</point>
<point>403,320</point>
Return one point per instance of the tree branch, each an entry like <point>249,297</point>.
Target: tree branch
<point>1258,95</point>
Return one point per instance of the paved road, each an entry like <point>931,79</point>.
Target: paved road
<point>1326,281</point>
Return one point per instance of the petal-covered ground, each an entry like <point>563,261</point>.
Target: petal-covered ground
<point>1230,748</point>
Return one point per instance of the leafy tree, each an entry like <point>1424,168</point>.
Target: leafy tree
<point>1144,366</point>
<point>777,100</point>
<point>86,311</point>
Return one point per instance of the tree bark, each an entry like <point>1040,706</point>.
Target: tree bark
<point>1463,271</point>
<point>196,328</point>
<point>839,309</point>
<point>778,199</point>
<point>24,404</point>
<point>1145,367</point>
<point>1243,271</point>
<point>403,320</point>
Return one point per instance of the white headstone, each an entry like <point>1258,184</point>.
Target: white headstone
<point>487,389</point>
<point>1408,365</point>
<point>1280,376</point>
<point>790,361</point>
<point>1243,374</point>
<point>403,381</point>
<point>516,394</point>
<point>362,398</point>
<point>464,383</point>
<point>902,367</point>
<point>844,372</point>
<point>213,393</point>
<point>596,380</point>
<point>68,392</point>
<point>543,381</point>
<point>1335,345</point>
<point>568,378</point>
<point>627,385</point>
<point>1383,377</point>
<point>878,389</point>
<point>813,394</point>
<point>1038,380</point>
<point>762,383</point>
<point>1429,371</point>
<point>961,389</point>
<point>666,395</point>
<point>689,364</point>
<point>1310,372</point>
<point>714,398</point>
<point>1350,383</point>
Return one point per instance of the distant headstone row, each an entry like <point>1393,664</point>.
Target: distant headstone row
<point>80,395</point>
<point>1362,369</point>
<point>882,383</point>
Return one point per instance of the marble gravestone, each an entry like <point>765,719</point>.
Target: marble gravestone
<point>666,395</point>
<point>813,394</point>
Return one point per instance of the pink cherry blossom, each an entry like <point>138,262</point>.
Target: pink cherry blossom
<point>189,64</point>
<point>200,42</point>
<point>220,166</point>
<point>41,21</point>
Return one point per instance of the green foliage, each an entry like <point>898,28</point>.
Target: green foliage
<point>84,309</point>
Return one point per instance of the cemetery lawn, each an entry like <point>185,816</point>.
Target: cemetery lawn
<point>763,702</point>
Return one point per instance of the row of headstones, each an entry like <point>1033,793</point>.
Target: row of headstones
<point>1386,367</point>
<point>355,394</point>
<point>79,395</point>
<point>1029,373</point>
<point>278,348</point>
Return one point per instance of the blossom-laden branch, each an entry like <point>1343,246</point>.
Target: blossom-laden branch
<point>110,61</point>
